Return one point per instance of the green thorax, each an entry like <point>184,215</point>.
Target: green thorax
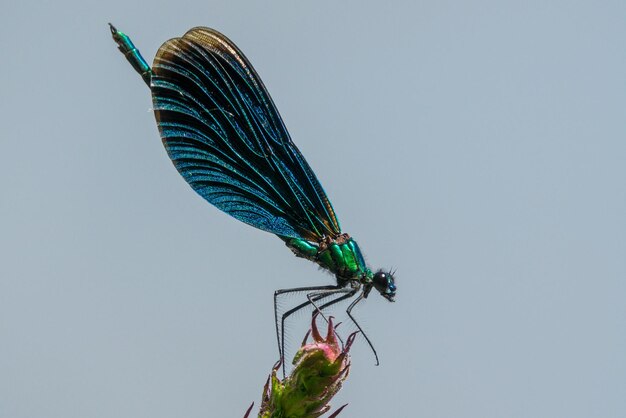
<point>341,256</point>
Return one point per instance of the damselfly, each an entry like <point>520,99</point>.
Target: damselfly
<point>225,137</point>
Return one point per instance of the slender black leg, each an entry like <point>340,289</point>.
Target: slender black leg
<point>314,297</point>
<point>281,333</point>
<point>321,293</point>
<point>311,299</point>
<point>348,311</point>
<point>348,295</point>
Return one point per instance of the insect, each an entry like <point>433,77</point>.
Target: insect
<point>225,137</point>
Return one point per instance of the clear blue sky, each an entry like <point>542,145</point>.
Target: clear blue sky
<point>479,147</point>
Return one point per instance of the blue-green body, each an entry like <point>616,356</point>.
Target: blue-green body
<point>226,138</point>
<point>342,257</point>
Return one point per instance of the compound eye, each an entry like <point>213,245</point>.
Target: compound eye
<point>380,279</point>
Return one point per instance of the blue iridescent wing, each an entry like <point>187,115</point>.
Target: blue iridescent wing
<point>224,135</point>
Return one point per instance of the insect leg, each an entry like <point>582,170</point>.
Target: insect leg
<point>314,297</point>
<point>280,334</point>
<point>348,294</point>
<point>348,311</point>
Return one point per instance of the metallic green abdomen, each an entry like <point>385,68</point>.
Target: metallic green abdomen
<point>132,54</point>
<point>341,256</point>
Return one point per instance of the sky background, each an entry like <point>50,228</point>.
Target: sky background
<point>479,147</point>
